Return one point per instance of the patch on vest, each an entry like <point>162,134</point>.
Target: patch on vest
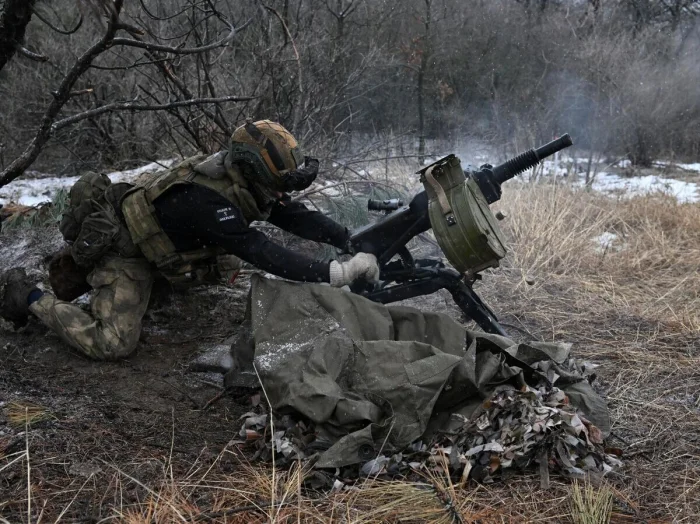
<point>225,213</point>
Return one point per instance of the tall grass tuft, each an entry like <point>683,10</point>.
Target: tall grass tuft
<point>590,505</point>
<point>20,414</point>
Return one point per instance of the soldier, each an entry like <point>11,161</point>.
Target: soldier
<point>190,224</point>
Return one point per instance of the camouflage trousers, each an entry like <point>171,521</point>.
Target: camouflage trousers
<point>111,329</point>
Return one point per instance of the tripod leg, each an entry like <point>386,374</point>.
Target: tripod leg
<point>472,306</point>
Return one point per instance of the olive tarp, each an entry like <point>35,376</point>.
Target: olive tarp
<point>374,378</point>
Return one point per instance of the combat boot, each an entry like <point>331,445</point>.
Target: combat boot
<point>15,287</point>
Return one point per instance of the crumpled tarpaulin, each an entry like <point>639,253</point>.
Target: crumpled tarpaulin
<point>374,379</point>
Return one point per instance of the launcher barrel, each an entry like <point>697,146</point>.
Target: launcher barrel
<point>490,178</point>
<point>529,159</point>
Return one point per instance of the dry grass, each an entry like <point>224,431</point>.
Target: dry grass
<point>590,505</point>
<point>20,414</point>
<point>650,271</point>
<point>204,494</point>
<point>633,308</point>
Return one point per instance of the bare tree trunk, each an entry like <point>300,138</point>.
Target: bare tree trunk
<point>421,118</point>
<point>13,24</point>
<point>61,96</point>
<point>424,61</point>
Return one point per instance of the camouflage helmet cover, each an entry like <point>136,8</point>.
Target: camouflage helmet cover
<point>269,148</point>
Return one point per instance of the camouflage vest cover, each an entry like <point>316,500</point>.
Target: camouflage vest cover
<point>210,171</point>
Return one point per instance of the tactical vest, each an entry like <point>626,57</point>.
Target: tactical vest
<point>209,171</point>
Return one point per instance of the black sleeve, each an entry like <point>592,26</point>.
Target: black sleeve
<point>195,216</point>
<point>294,217</point>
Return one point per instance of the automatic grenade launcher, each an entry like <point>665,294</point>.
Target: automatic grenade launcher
<point>455,204</point>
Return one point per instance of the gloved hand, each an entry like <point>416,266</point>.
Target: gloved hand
<point>15,287</point>
<point>362,265</point>
<point>301,177</point>
<point>227,267</point>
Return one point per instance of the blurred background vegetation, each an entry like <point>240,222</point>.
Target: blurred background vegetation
<point>391,77</point>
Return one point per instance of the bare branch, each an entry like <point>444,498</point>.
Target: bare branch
<point>78,24</point>
<point>61,96</point>
<point>168,73</point>
<point>164,18</point>
<point>134,106</point>
<point>81,92</point>
<point>37,57</point>
<point>150,46</point>
<point>99,8</point>
<point>131,28</point>
<point>300,84</point>
<point>127,67</point>
<point>349,182</point>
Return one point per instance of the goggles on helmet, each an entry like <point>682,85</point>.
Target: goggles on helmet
<point>301,177</point>
<point>293,180</point>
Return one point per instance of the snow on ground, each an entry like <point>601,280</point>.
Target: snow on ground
<point>608,242</point>
<point>606,239</point>
<point>615,185</point>
<point>34,191</point>
<point>687,167</point>
<point>612,184</point>
<point>690,167</point>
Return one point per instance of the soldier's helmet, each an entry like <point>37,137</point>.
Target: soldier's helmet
<point>272,155</point>
<point>269,148</point>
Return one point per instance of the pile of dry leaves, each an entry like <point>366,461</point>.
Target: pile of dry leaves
<point>512,431</point>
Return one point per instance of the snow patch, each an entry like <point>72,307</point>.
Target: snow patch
<point>34,191</point>
<point>130,174</point>
<point>695,166</point>
<point>690,167</point>
<point>610,183</point>
<point>608,242</point>
<point>276,354</point>
<point>605,240</point>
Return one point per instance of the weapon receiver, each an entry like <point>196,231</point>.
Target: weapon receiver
<point>455,205</point>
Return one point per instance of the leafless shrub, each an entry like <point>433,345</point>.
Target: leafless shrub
<point>619,76</point>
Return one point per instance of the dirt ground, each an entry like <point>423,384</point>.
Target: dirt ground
<point>108,439</point>
<point>130,414</point>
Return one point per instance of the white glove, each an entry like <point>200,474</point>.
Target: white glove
<point>227,267</point>
<point>362,265</point>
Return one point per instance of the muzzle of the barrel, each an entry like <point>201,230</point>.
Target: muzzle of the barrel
<point>554,146</point>
<point>529,159</point>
